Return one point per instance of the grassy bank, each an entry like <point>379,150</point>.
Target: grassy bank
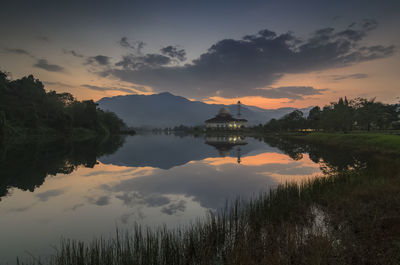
<point>351,217</point>
<point>374,142</point>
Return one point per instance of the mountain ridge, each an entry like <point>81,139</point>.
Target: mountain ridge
<point>168,110</point>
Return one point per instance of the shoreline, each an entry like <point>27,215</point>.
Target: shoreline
<point>363,141</point>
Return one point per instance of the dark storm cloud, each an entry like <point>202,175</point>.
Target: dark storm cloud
<point>73,53</point>
<point>44,64</point>
<point>97,88</point>
<point>241,67</point>
<point>18,51</point>
<point>174,52</point>
<point>98,60</point>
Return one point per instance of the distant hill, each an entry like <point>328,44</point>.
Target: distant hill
<point>167,110</point>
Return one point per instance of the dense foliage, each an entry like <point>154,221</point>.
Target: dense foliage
<point>344,115</point>
<point>25,106</point>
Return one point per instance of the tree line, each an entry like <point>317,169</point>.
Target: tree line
<point>26,107</point>
<point>344,115</point>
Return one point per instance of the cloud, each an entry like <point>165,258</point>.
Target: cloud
<point>136,46</point>
<point>240,67</point>
<point>98,60</point>
<point>21,209</point>
<point>44,64</point>
<point>151,60</point>
<point>98,88</point>
<point>44,196</point>
<point>76,206</point>
<point>73,53</point>
<point>174,208</point>
<point>336,18</point>
<point>349,76</point>
<point>291,92</point>
<point>18,51</point>
<point>174,52</point>
<point>101,201</point>
<point>43,38</point>
<point>131,198</point>
<point>58,84</point>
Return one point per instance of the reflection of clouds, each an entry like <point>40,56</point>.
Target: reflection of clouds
<point>292,169</point>
<point>21,209</point>
<point>200,181</point>
<point>111,170</point>
<point>254,160</point>
<point>174,208</point>
<point>137,214</point>
<point>105,172</point>
<point>76,206</point>
<point>44,196</point>
<point>131,198</point>
<point>210,181</point>
<point>297,170</point>
<point>101,201</point>
<point>137,198</point>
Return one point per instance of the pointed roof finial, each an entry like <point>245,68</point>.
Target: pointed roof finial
<point>238,104</point>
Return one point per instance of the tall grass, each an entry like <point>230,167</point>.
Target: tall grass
<point>358,224</point>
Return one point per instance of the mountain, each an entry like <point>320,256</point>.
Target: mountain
<point>167,110</point>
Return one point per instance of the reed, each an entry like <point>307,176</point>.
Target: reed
<point>346,218</point>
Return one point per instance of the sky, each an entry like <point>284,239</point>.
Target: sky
<point>269,54</point>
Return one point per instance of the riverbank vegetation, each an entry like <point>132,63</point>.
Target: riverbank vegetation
<point>370,142</point>
<point>344,116</point>
<point>347,217</point>
<point>27,109</point>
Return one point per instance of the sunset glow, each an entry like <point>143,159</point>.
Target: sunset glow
<point>102,59</point>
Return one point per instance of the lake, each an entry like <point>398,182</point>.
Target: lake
<point>88,189</point>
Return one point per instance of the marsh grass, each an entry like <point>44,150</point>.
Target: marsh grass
<point>356,222</point>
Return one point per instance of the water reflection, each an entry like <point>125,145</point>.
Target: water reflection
<point>168,151</point>
<point>225,143</point>
<point>25,166</point>
<point>150,179</point>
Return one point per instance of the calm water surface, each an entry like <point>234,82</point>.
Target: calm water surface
<point>82,190</point>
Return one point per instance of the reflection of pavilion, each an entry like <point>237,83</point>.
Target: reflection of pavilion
<point>225,143</point>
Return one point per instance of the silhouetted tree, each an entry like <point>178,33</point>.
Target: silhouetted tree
<point>25,106</point>
<point>343,115</point>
